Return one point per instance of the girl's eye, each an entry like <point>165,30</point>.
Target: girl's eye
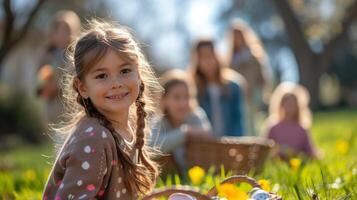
<point>101,76</point>
<point>125,71</point>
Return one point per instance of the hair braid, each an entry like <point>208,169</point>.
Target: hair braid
<point>140,134</point>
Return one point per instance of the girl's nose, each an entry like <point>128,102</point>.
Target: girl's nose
<point>116,83</point>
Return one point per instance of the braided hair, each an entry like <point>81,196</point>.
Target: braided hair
<point>140,174</point>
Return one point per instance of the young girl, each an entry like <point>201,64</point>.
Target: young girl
<point>290,120</point>
<point>104,155</point>
<point>182,117</point>
<point>247,56</point>
<point>220,91</point>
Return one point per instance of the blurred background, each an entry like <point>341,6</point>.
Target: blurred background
<point>311,42</point>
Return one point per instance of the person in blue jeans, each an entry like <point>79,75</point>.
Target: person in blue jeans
<point>219,90</point>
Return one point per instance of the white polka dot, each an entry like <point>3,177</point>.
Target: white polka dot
<point>82,196</point>
<point>123,191</point>
<point>70,196</point>
<point>118,194</point>
<point>119,180</point>
<point>72,139</point>
<point>87,149</point>
<point>79,183</point>
<point>104,134</point>
<point>61,186</point>
<point>89,129</point>
<point>85,165</point>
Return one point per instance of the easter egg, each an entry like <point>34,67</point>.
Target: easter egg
<point>260,195</point>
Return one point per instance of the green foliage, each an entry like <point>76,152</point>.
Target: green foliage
<point>20,117</point>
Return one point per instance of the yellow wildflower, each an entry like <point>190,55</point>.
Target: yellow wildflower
<point>342,146</point>
<point>265,184</point>
<point>295,163</point>
<point>196,174</point>
<point>231,192</point>
<point>29,175</point>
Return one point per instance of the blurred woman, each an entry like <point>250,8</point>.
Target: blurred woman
<point>220,90</point>
<point>64,28</point>
<point>247,56</point>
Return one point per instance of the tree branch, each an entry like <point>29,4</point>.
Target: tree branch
<point>331,46</point>
<point>10,18</point>
<point>297,37</point>
<point>28,22</point>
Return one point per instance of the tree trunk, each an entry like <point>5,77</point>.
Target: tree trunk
<point>306,59</point>
<point>309,77</point>
<point>312,65</point>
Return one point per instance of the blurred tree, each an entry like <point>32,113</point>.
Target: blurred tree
<point>317,32</point>
<point>19,17</point>
<point>11,34</point>
<point>325,35</point>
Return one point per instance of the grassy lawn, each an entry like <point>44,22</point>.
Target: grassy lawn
<point>23,171</point>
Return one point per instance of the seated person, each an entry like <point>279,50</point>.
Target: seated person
<point>290,121</point>
<point>182,117</point>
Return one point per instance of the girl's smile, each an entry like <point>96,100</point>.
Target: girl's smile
<point>118,96</point>
<point>112,84</point>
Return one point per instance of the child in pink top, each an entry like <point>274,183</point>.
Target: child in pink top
<point>290,120</point>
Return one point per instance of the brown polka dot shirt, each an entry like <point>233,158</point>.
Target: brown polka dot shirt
<point>87,166</point>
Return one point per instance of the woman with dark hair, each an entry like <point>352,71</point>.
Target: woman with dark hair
<point>219,90</point>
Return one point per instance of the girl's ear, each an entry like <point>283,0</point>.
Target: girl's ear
<point>81,87</point>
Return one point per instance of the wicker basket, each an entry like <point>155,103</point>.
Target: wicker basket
<point>237,154</point>
<point>167,191</point>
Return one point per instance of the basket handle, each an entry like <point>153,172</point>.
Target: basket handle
<point>235,179</point>
<point>167,191</point>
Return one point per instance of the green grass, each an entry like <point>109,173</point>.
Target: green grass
<point>23,171</point>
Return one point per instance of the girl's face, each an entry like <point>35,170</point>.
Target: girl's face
<point>61,35</point>
<point>290,106</point>
<point>176,102</point>
<point>112,84</point>
<point>207,62</point>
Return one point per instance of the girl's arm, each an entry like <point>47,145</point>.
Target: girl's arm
<point>166,141</point>
<point>85,167</point>
<point>308,146</point>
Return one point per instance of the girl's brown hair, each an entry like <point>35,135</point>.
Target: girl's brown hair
<point>70,19</point>
<point>285,89</point>
<point>83,54</point>
<point>250,40</point>
<point>223,75</point>
<point>198,76</point>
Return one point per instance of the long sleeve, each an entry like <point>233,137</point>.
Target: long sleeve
<point>166,141</point>
<point>308,147</point>
<point>84,167</point>
<point>238,100</point>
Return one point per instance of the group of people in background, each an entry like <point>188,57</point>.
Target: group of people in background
<point>213,98</point>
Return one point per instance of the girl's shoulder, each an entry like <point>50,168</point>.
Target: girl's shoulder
<point>197,112</point>
<point>90,129</point>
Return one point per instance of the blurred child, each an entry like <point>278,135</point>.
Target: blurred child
<point>110,94</point>
<point>290,120</point>
<point>247,56</point>
<point>220,91</point>
<point>64,27</point>
<point>182,116</point>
